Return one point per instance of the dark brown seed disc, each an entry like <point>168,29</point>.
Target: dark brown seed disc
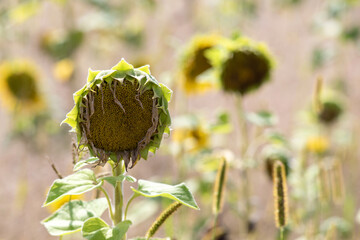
<point>244,70</point>
<point>198,64</point>
<point>330,112</point>
<point>119,123</point>
<point>22,85</point>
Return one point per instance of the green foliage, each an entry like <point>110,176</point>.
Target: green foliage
<point>179,193</point>
<point>262,118</point>
<point>96,229</point>
<point>72,215</point>
<point>222,124</point>
<point>78,183</point>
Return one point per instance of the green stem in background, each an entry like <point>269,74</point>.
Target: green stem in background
<point>118,170</point>
<point>128,204</point>
<point>244,174</point>
<point>214,227</point>
<point>109,203</point>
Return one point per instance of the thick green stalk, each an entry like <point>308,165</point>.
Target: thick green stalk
<point>119,199</point>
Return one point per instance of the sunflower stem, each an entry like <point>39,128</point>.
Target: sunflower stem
<point>244,173</point>
<point>118,170</point>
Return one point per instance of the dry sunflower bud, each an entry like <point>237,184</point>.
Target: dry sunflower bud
<point>121,113</point>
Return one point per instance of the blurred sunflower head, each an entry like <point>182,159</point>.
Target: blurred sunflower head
<point>273,153</point>
<point>61,44</point>
<point>331,107</point>
<point>194,62</point>
<point>19,86</point>
<point>63,70</point>
<point>191,133</point>
<point>121,113</point>
<point>317,144</point>
<point>243,64</point>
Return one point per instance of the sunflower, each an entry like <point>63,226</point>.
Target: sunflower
<point>121,113</point>
<point>61,44</point>
<point>317,144</point>
<point>194,139</point>
<point>273,153</point>
<point>243,64</point>
<point>19,86</point>
<point>195,62</point>
<point>63,69</point>
<point>331,107</point>
<point>191,133</point>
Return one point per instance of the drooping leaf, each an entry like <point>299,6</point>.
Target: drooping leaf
<point>179,193</point>
<point>71,216</point>
<point>96,229</point>
<point>75,184</point>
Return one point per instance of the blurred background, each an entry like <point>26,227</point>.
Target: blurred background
<point>50,45</point>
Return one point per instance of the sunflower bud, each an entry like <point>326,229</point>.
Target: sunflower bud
<point>121,113</point>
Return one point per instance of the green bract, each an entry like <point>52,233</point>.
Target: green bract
<point>242,64</point>
<point>121,113</point>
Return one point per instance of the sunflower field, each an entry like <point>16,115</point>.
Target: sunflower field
<point>180,120</point>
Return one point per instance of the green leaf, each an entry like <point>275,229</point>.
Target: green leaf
<point>222,124</point>
<point>75,184</point>
<point>82,163</point>
<point>96,229</point>
<point>113,179</point>
<point>262,118</point>
<point>71,216</point>
<point>179,193</point>
<point>142,210</point>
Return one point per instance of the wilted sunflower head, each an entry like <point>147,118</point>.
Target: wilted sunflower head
<point>244,65</point>
<point>194,62</point>
<point>19,86</point>
<point>121,113</point>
